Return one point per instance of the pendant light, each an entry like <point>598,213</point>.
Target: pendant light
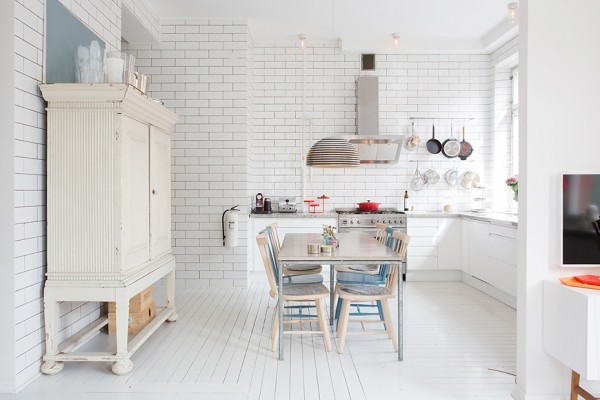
<point>333,152</point>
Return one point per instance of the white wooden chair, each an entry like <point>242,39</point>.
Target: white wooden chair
<point>350,293</point>
<point>292,269</point>
<point>313,292</point>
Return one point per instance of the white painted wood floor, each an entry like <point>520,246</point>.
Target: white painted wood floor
<point>459,344</point>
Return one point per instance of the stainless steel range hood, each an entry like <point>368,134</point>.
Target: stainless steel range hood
<point>372,147</point>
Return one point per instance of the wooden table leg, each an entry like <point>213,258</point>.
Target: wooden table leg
<point>577,390</point>
<point>331,294</point>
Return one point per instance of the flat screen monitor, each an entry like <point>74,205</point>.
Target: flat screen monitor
<point>581,220</point>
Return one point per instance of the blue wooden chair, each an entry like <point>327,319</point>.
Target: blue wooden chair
<point>358,278</point>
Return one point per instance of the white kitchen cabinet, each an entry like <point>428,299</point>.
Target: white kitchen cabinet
<point>503,258</point>
<point>492,254</point>
<point>434,244</point>
<point>284,225</point>
<point>109,217</point>
<point>449,239</point>
<point>422,252</point>
<point>477,248</point>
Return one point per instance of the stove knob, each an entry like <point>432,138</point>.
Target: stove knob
<point>396,221</point>
<point>358,222</point>
<point>384,222</point>
<point>373,221</point>
<point>352,222</point>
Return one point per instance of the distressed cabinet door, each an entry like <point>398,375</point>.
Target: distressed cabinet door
<point>135,183</point>
<point>160,192</point>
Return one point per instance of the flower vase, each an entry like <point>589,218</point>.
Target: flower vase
<point>516,196</point>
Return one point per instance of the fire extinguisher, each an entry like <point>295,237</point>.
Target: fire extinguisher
<point>229,223</point>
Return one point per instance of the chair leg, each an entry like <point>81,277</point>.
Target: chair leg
<point>379,310</point>
<point>322,315</point>
<point>338,307</point>
<point>338,327</point>
<point>389,323</point>
<point>343,327</point>
<point>275,330</point>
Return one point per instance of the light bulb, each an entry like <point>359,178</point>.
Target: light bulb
<point>513,13</point>
<point>302,38</point>
<point>396,39</point>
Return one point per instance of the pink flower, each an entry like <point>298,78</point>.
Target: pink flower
<point>513,180</point>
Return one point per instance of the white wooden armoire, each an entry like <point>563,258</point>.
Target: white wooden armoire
<point>108,210</point>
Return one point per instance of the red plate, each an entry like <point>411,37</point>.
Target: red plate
<point>589,279</point>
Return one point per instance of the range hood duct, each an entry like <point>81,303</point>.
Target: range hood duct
<point>372,147</point>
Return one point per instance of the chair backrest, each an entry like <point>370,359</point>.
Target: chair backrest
<point>401,245</point>
<point>269,261</point>
<point>273,253</point>
<point>381,232</point>
<point>274,237</point>
<point>387,238</point>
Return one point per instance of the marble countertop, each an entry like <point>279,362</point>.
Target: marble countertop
<point>499,218</point>
<point>294,215</point>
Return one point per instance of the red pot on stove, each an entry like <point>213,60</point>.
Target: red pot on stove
<point>368,206</point>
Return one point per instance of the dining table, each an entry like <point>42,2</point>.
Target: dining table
<point>358,248</point>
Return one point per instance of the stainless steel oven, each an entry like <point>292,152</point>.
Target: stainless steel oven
<point>352,220</point>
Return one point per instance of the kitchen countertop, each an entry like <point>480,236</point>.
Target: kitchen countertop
<point>498,218</point>
<point>294,215</point>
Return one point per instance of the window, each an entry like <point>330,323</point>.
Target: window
<point>514,148</point>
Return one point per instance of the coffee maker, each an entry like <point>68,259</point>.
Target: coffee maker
<point>262,204</point>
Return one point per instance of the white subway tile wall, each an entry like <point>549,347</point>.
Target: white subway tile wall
<point>442,88</point>
<point>146,15</point>
<point>200,71</point>
<point>104,18</point>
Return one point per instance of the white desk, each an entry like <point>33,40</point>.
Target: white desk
<point>355,248</point>
<point>571,326</point>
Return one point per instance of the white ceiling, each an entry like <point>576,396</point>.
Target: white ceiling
<point>423,25</point>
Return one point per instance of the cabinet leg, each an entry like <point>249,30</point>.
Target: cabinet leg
<point>122,324</point>
<point>52,326</point>
<point>171,296</point>
<point>122,367</point>
<point>51,367</point>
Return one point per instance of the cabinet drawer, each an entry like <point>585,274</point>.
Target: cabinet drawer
<point>422,251</point>
<point>421,222</point>
<point>503,249</point>
<point>503,276</point>
<point>422,241</point>
<point>503,231</point>
<point>429,231</point>
<point>421,263</point>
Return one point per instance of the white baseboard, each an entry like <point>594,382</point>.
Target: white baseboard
<point>490,290</point>
<point>434,276</point>
<point>7,387</point>
<point>28,381</point>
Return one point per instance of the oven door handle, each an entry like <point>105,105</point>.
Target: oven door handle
<point>357,228</point>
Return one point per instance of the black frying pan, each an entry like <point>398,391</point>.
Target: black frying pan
<point>433,145</point>
<point>451,146</point>
<point>465,147</point>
